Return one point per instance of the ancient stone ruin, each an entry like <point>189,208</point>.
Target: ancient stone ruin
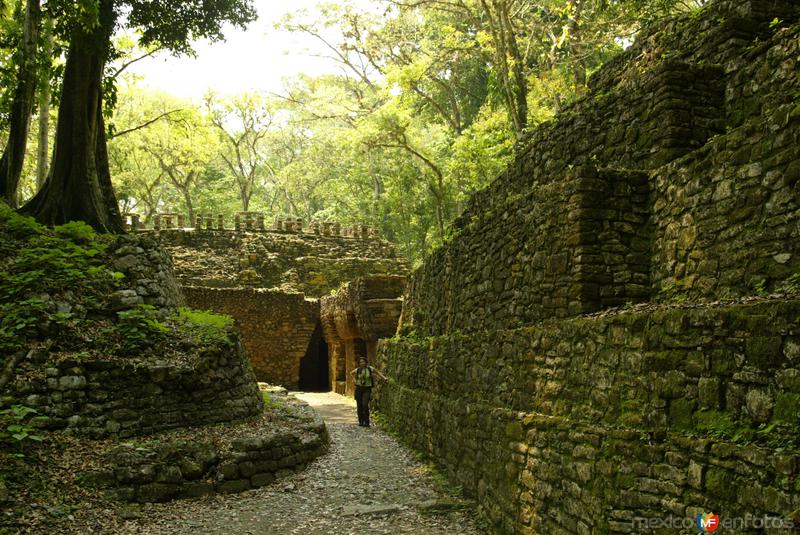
<point>102,397</point>
<point>355,318</point>
<point>674,181</point>
<point>272,281</point>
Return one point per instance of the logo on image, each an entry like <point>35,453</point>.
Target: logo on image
<point>707,522</point>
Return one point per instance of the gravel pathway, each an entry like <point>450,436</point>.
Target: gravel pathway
<point>367,483</point>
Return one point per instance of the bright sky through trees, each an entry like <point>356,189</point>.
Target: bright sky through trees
<point>256,59</point>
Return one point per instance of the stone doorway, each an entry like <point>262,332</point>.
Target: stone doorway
<point>314,367</point>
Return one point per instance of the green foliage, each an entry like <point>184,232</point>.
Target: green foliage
<point>792,284</point>
<point>15,432</point>
<point>417,122</point>
<point>18,322</point>
<point>205,327</point>
<point>760,286</point>
<point>18,226</point>
<point>716,424</point>
<point>138,329</point>
<point>40,264</point>
<point>50,264</point>
<point>77,231</point>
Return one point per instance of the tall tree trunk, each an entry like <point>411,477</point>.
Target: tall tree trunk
<point>78,186</point>
<point>22,106</point>
<point>43,152</point>
<point>576,47</point>
<point>246,196</point>
<point>187,199</point>
<point>509,63</point>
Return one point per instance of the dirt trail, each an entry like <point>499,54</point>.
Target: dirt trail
<point>367,483</point>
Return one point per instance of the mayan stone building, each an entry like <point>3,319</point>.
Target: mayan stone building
<point>270,279</point>
<point>673,182</point>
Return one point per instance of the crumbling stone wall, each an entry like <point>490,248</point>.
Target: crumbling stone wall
<point>584,424</point>
<point>102,398</point>
<point>276,327</point>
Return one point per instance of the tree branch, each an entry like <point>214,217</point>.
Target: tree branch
<point>131,62</point>
<point>143,125</point>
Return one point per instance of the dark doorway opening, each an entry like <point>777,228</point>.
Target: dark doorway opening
<point>314,370</point>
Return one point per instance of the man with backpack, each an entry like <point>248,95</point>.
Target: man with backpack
<point>365,380</point>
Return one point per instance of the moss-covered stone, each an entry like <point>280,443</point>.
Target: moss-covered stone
<point>764,351</point>
<point>720,482</point>
<point>787,408</point>
<point>680,413</point>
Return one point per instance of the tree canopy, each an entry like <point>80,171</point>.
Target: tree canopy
<point>430,100</point>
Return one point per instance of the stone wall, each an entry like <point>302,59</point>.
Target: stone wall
<point>276,327</point>
<point>148,272</point>
<point>190,469</point>
<point>561,423</point>
<point>110,398</point>
<point>726,216</point>
<point>719,217</point>
<point>561,249</point>
<point>582,425</point>
<point>262,280</point>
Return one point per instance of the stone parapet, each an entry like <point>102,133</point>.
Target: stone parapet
<point>249,222</point>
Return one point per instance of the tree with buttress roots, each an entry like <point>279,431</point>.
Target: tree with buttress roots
<point>78,186</point>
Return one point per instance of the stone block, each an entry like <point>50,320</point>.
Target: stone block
<point>710,392</point>
<point>169,473</point>
<point>156,492</point>
<point>234,486</point>
<point>228,470</point>
<point>71,382</point>
<point>196,489</point>
<point>759,404</point>
<point>262,480</point>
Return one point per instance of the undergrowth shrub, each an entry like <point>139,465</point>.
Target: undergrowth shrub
<point>39,265</point>
<point>203,326</point>
<point>138,329</point>
<point>15,432</point>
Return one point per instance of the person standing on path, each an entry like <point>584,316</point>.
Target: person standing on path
<point>365,379</point>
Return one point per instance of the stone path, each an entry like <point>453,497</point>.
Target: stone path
<point>367,483</point>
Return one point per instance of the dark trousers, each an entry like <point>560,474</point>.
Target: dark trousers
<point>363,395</point>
